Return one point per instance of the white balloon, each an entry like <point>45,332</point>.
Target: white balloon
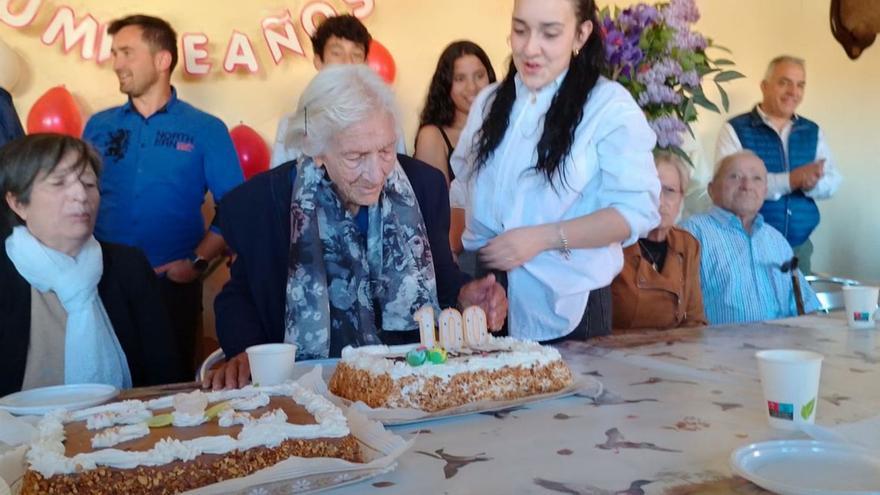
<point>9,67</point>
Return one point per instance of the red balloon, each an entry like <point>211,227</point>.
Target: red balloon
<point>253,154</point>
<point>56,111</point>
<point>381,61</point>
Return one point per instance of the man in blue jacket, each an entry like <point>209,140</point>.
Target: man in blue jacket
<point>342,247</point>
<point>161,155</point>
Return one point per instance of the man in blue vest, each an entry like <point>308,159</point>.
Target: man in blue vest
<point>799,164</point>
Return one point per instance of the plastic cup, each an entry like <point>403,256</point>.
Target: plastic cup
<point>271,364</point>
<point>790,380</point>
<point>861,304</point>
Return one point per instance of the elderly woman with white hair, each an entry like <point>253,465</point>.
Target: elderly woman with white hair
<point>344,246</point>
<point>659,286</point>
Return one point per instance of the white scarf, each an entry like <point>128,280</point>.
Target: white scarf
<point>92,353</point>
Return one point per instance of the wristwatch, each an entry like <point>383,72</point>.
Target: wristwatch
<point>199,264</point>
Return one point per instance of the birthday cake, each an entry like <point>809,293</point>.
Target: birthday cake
<point>466,365</point>
<point>178,443</point>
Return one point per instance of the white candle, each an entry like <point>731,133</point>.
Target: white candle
<point>451,333</point>
<point>425,317</point>
<point>476,330</point>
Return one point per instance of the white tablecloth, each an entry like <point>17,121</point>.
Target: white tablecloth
<point>676,405</point>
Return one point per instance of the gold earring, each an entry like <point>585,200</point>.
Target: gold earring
<point>576,51</point>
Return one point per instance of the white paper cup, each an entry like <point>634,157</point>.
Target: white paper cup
<point>271,364</point>
<point>790,380</point>
<point>861,304</point>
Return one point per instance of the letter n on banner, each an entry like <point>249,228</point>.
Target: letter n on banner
<point>276,40</point>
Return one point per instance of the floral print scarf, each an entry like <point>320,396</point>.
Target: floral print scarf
<point>334,285</point>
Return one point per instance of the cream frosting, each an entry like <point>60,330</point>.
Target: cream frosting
<point>46,454</point>
<point>250,403</point>
<point>111,418</point>
<point>514,353</point>
<point>182,419</point>
<point>119,434</point>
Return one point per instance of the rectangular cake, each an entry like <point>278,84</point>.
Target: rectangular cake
<point>174,444</point>
<point>496,369</point>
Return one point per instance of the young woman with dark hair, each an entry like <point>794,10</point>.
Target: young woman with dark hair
<point>462,71</point>
<point>556,165</point>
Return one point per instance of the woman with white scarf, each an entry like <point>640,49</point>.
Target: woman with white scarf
<point>72,309</point>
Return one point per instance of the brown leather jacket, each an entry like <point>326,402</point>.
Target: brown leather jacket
<point>645,299</point>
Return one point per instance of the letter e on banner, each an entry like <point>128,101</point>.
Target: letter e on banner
<point>194,54</point>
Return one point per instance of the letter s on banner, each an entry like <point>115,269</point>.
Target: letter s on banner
<point>361,8</point>
<point>194,54</point>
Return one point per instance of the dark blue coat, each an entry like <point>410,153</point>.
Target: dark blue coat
<point>255,221</point>
<point>10,126</point>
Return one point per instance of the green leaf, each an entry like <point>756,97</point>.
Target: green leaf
<point>680,153</point>
<point>700,99</point>
<point>719,47</point>
<point>690,112</point>
<point>723,61</point>
<point>703,70</point>
<point>728,75</point>
<point>725,101</point>
<point>808,408</point>
<point>160,420</point>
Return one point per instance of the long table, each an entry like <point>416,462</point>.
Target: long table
<point>675,405</point>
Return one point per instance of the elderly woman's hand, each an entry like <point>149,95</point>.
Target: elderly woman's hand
<point>234,373</point>
<point>489,295</point>
<point>513,248</point>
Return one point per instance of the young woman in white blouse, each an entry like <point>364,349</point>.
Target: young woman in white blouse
<point>556,168</point>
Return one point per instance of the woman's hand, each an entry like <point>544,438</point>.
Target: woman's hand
<point>513,248</point>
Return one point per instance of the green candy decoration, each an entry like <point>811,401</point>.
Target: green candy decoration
<point>437,355</point>
<point>416,357</point>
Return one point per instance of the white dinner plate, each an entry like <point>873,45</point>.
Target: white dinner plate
<point>808,467</point>
<point>70,397</point>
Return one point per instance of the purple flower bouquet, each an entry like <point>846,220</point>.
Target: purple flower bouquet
<point>653,52</point>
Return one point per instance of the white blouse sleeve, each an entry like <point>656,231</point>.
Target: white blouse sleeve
<point>629,177</point>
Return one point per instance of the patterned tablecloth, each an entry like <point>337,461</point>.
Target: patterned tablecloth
<point>676,404</point>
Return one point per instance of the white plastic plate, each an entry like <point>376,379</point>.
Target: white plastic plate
<point>46,399</point>
<point>809,467</point>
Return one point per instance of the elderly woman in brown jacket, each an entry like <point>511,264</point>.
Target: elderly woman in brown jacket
<point>659,286</point>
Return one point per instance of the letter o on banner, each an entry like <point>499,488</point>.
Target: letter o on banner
<point>380,60</point>
<point>56,111</point>
<point>252,151</point>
